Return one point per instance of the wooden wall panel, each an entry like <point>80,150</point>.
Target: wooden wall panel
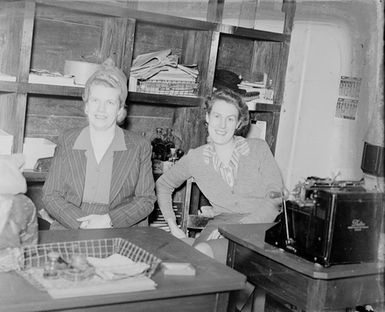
<point>266,59</point>
<point>57,41</point>
<point>137,110</point>
<point>8,113</point>
<point>11,22</point>
<point>246,58</point>
<point>113,40</point>
<point>150,38</point>
<point>189,122</point>
<point>47,12</point>
<point>196,50</point>
<point>147,125</point>
<point>51,126</point>
<point>235,54</point>
<point>146,118</point>
<point>129,47</point>
<point>61,106</point>
<point>48,116</point>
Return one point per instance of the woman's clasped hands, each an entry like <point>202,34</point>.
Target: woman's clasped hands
<point>94,221</point>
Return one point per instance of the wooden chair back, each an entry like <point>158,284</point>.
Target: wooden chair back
<point>191,221</point>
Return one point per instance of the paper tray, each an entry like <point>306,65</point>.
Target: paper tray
<point>36,256</point>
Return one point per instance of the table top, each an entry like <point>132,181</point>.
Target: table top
<point>16,294</point>
<point>252,236</point>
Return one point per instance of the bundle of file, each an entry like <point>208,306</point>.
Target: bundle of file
<point>159,72</point>
<point>259,91</point>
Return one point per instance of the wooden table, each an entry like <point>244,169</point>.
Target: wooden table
<point>207,291</point>
<point>297,281</point>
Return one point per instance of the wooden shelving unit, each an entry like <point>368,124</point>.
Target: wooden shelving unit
<point>43,33</point>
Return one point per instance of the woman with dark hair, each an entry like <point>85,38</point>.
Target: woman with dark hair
<point>101,175</point>
<point>237,175</point>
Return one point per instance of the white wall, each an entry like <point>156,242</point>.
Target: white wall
<point>311,141</point>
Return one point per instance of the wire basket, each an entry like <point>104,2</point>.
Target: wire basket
<point>169,87</point>
<point>36,256</point>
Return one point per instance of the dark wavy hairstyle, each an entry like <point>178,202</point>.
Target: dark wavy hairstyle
<point>232,98</point>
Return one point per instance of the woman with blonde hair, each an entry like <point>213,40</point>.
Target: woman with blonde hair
<point>101,175</point>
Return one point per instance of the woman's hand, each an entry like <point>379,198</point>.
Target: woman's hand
<point>175,230</point>
<point>95,221</point>
<point>214,235</point>
<point>207,211</point>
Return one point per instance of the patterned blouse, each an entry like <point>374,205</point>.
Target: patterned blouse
<point>228,172</point>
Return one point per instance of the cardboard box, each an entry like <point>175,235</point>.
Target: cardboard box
<point>35,148</point>
<point>6,143</point>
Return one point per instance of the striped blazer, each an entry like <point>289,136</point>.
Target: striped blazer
<point>132,193</point>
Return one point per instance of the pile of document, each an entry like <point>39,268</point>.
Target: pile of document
<point>259,91</point>
<point>161,70</point>
<point>43,76</point>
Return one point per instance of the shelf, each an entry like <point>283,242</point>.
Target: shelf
<point>270,108</point>
<point>163,99</point>
<point>167,20</point>
<point>135,97</point>
<point>34,176</point>
<point>253,33</point>
<point>8,86</point>
<point>114,10</point>
<point>35,88</point>
<point>124,33</point>
<point>44,89</point>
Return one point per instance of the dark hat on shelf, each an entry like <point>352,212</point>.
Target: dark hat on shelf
<point>225,79</point>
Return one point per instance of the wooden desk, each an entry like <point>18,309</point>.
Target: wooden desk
<point>294,280</point>
<point>207,291</point>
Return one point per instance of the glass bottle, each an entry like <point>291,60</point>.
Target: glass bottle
<point>156,143</point>
<point>169,142</point>
<point>51,267</point>
<point>269,90</point>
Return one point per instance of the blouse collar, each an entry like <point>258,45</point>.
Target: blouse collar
<point>229,171</point>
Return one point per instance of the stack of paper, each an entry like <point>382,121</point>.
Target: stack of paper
<point>257,92</point>
<point>175,74</point>
<point>45,77</point>
<point>62,288</point>
<point>147,65</point>
<point>5,77</point>
<point>163,65</point>
<point>35,148</point>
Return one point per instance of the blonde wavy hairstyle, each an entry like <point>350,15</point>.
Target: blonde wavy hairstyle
<point>109,76</point>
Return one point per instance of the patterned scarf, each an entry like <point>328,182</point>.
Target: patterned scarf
<point>228,172</point>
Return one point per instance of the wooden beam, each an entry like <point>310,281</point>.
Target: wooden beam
<point>288,7</point>
<point>248,13</point>
<point>209,71</point>
<point>23,74</point>
<point>253,33</point>
<point>129,48</point>
<point>26,42</point>
<point>215,11</point>
<point>113,40</point>
<point>103,9</point>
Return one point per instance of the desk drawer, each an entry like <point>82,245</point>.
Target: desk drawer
<point>302,291</point>
<point>271,276</point>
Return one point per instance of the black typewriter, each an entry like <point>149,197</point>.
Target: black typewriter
<point>330,223</point>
